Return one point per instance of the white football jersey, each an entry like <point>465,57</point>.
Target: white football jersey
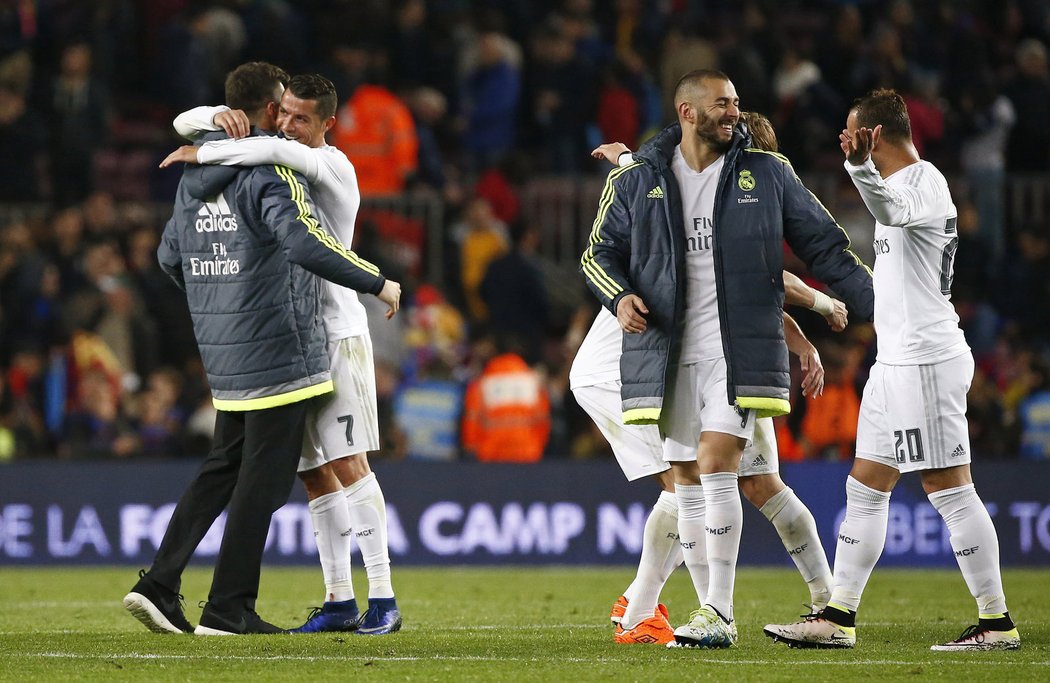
<point>702,338</point>
<point>915,243</point>
<point>598,359</point>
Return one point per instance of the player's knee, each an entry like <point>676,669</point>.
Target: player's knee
<point>758,489</point>
<point>351,469</point>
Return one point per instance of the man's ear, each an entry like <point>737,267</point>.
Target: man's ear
<point>686,112</point>
<point>876,135</point>
<point>328,123</point>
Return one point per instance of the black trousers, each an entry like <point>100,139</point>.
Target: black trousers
<point>250,470</point>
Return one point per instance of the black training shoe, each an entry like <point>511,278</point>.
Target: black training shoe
<point>245,622</point>
<point>158,608</point>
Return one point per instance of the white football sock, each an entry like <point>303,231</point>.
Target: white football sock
<point>725,516</point>
<point>798,531</point>
<point>659,540</point>
<point>331,521</point>
<point>691,537</point>
<point>368,519</point>
<point>862,537</point>
<point>976,545</point>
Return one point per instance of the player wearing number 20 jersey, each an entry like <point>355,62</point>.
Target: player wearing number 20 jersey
<point>915,242</point>
<point>913,413</point>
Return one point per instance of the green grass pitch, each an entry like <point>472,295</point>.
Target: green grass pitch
<point>512,624</point>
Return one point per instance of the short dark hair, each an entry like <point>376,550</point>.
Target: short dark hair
<point>317,88</point>
<point>694,78</point>
<point>884,107</point>
<point>253,85</point>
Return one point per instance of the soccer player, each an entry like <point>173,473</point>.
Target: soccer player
<point>686,250</point>
<point>594,380</point>
<point>913,412</point>
<point>343,492</point>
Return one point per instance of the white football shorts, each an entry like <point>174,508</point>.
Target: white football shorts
<point>913,417</point>
<point>697,402</point>
<point>346,421</point>
<point>638,448</point>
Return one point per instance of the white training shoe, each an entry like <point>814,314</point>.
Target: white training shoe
<point>979,638</point>
<point>814,631</point>
<point>705,629</point>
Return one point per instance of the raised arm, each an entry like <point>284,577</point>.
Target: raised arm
<point>255,151</point>
<point>900,206</point>
<point>194,123</point>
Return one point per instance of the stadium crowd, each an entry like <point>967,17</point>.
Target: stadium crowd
<point>466,102</point>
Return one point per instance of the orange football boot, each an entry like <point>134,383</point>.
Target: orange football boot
<point>656,630</point>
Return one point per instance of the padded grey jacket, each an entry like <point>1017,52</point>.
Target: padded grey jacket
<point>637,246</point>
<point>244,245</point>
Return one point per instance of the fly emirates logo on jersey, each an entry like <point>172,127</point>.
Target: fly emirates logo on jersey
<point>216,217</point>
<point>699,238</point>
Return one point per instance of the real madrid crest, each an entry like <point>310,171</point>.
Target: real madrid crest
<point>746,181</point>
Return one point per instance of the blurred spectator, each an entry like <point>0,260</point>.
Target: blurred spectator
<point>482,239</point>
<point>160,419</point>
<point>24,401</point>
<point>837,55</point>
<point>985,418</point>
<point>1033,416</point>
<point>420,48</point>
<point>619,110</point>
<point>199,46</point>
<point>23,141</point>
<point>987,119</point>
<point>373,127</point>
<point>971,280</point>
<point>496,187</point>
<point>428,107</point>
<point>110,306</point>
<point>97,427</point>
<point>885,64</point>
<point>1028,148</point>
<point>65,248</point>
<point>80,120</point>
<point>516,297</point>
<point>162,303</point>
<point>683,51</point>
<point>925,111</point>
<point>829,428</point>
<point>427,410</point>
<point>562,86</point>
<point>1025,289</point>
<point>507,413</point>
<point>490,99</point>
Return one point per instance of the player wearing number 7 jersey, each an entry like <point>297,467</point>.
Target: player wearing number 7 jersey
<point>913,412</point>
<point>345,497</point>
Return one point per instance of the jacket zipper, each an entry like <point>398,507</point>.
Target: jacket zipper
<point>723,317</point>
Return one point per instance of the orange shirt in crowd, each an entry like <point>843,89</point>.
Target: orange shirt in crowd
<point>831,420</point>
<point>376,132</point>
<point>507,413</point>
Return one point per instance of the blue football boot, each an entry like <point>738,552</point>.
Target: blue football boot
<point>332,616</point>
<point>382,617</point>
